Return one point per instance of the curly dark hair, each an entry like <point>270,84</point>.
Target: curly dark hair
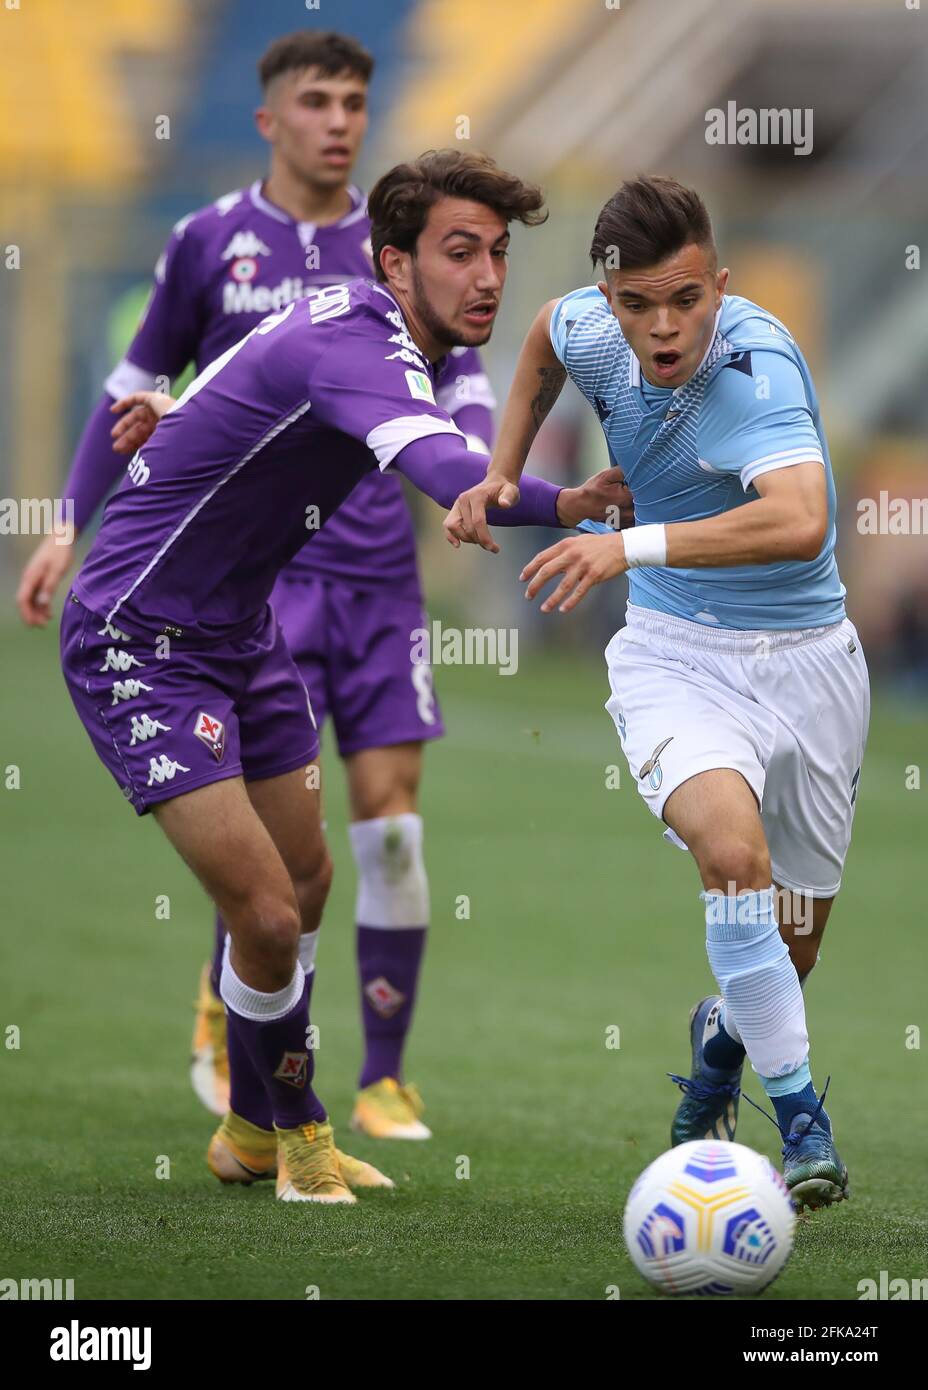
<point>399,202</point>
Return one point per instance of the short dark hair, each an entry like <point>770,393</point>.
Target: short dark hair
<point>649,219</point>
<point>399,202</point>
<point>330,52</point>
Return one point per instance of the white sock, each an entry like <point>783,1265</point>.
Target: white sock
<point>757,979</point>
<point>393,889</point>
<point>306,951</point>
<point>251,1003</point>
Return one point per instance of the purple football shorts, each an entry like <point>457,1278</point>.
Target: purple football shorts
<point>354,651</point>
<point>168,716</point>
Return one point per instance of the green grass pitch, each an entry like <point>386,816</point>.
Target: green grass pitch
<point>581,919</point>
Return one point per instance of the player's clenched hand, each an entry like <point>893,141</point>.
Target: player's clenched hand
<point>604,497</point>
<point>583,561</point>
<point>144,410</point>
<point>467,520</point>
<point>50,562</point>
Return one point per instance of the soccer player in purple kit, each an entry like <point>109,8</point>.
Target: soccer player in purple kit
<point>348,605</point>
<point>216,735</point>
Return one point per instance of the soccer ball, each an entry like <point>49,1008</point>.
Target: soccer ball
<point>710,1218</point>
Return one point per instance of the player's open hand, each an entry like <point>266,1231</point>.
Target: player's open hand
<point>49,564</point>
<point>467,520</point>
<point>604,497</point>
<point>582,560</point>
<point>143,411</point>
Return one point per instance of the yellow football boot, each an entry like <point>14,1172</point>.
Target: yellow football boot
<point>308,1169</point>
<point>357,1173</point>
<point>387,1110</point>
<point>241,1152</point>
<point>209,1063</point>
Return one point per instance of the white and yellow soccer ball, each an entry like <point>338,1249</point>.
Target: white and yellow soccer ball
<point>710,1218</point>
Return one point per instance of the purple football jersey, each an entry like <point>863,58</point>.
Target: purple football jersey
<point>260,451</point>
<point>225,268</point>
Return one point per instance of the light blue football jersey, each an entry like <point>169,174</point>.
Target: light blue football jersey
<point>694,451</point>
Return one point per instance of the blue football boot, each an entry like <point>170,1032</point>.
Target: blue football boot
<point>812,1167</point>
<point>709,1108</point>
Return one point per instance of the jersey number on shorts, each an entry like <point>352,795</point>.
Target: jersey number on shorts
<point>425,694</point>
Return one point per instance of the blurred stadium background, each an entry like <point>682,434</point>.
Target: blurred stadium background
<point>577,96</point>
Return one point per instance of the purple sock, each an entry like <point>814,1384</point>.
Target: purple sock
<point>280,1058</point>
<point>219,946</point>
<point>248,1095</point>
<point>388,968</point>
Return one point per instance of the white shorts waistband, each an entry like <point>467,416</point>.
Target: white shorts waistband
<point>741,642</point>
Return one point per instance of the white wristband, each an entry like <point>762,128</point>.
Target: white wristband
<point>645,545</point>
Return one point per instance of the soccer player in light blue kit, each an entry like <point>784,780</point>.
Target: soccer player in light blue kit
<point>739,686</point>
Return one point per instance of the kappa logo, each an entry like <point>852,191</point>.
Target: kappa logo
<point>145,728</point>
<point>163,769</point>
<point>119,661</point>
<point>652,768</point>
<point>129,690</point>
<point>211,732</point>
<point>107,630</point>
<point>292,1068</point>
<point>383,998</point>
<point>245,245</point>
<point>407,348</point>
<point>405,355</point>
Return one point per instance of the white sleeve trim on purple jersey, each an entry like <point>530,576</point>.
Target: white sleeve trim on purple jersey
<point>390,438</point>
<point>126,377</point>
<point>479,392</point>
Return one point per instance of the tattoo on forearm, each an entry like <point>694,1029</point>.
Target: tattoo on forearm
<point>550,381</point>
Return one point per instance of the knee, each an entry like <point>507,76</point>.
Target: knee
<point>388,797</point>
<point>735,865</point>
<point>270,936</point>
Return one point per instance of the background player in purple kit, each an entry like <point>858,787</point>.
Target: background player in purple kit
<point>348,605</point>
<point>216,735</point>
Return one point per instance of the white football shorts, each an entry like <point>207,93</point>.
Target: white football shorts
<point>788,710</point>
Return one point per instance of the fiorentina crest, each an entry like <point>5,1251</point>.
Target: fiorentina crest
<point>383,997</point>
<point>292,1069</point>
<point>211,732</point>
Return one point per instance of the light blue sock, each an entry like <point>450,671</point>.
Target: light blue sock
<point>758,982</point>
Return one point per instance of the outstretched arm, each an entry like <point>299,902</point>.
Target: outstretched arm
<point>535,388</point>
<point>788,521</point>
<point>441,466</point>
